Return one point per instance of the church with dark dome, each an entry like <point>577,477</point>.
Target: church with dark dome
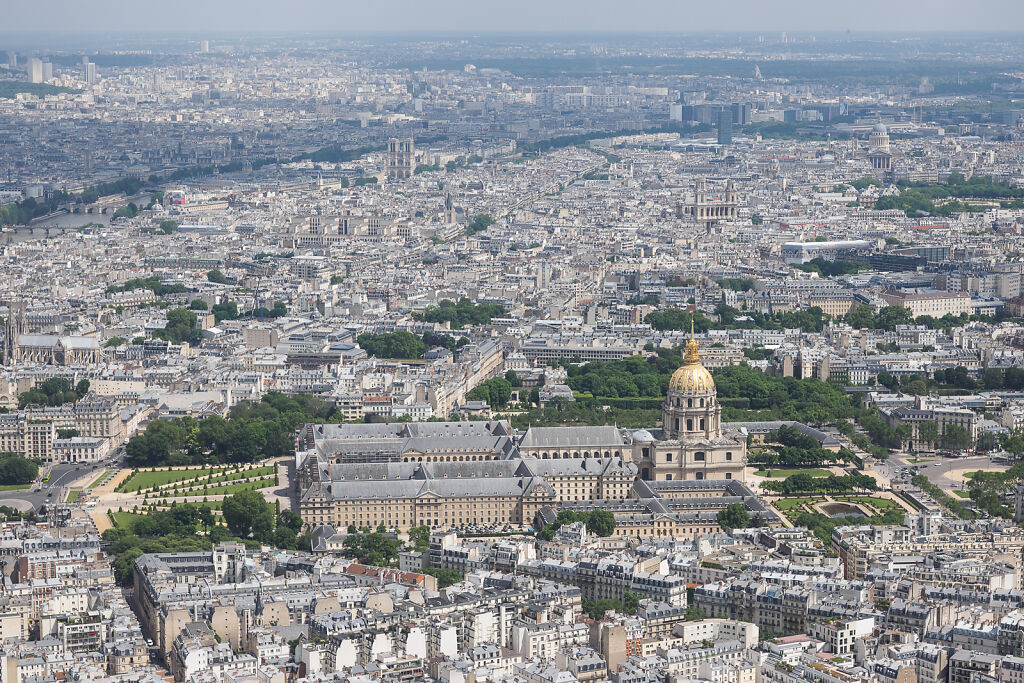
<point>691,444</point>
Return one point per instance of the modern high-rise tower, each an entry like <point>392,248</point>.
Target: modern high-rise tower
<point>35,70</point>
<point>725,127</point>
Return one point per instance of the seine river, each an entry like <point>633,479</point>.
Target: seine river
<point>52,227</point>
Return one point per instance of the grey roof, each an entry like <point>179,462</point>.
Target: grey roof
<point>575,437</point>
<point>824,438</point>
<point>570,466</point>
<point>38,340</point>
<point>443,488</point>
<point>51,340</point>
<point>399,471</point>
<point>397,438</point>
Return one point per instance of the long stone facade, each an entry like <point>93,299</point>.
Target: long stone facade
<point>459,474</point>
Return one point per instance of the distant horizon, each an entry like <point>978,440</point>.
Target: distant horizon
<point>127,40</point>
<point>212,17</point>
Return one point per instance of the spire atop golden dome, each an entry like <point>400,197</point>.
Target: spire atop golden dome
<point>692,356</point>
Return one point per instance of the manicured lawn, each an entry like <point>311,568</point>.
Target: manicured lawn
<point>782,474</point>
<point>14,487</point>
<point>786,504</point>
<point>962,494</point>
<point>195,476</point>
<point>125,520</point>
<point>265,471</point>
<point>880,504</point>
<point>73,495</point>
<point>147,480</point>
<point>222,490</point>
<point>96,482</point>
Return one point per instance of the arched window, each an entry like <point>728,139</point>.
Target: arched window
<point>702,423</point>
<point>689,403</point>
<point>702,403</point>
<point>689,424</point>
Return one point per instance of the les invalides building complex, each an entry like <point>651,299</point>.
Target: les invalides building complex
<point>457,474</point>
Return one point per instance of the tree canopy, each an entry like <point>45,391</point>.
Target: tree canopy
<point>495,391</point>
<point>153,284</point>
<point>463,313</point>
<point>55,391</point>
<point>734,516</point>
<point>399,344</point>
<point>181,327</point>
<point>598,522</point>
<point>479,223</point>
<point>831,268</point>
<point>15,469</point>
<point>247,513</point>
<point>192,527</point>
<point>253,431</point>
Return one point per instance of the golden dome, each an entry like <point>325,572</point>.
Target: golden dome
<point>691,377</point>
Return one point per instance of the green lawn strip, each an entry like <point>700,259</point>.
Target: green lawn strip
<point>14,487</point>
<point>785,504</point>
<point>146,480</point>
<point>98,480</point>
<point>879,504</point>
<point>124,520</point>
<point>214,505</point>
<point>73,495</point>
<point>255,472</point>
<point>962,494</point>
<point>222,490</point>
<point>191,489</point>
<point>782,474</point>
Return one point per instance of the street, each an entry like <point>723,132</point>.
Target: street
<point>54,490</point>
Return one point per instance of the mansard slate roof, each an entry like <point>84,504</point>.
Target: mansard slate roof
<point>571,437</point>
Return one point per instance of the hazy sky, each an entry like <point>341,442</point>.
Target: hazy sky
<point>211,16</point>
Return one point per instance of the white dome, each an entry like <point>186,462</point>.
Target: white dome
<point>880,128</point>
<point>642,436</point>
